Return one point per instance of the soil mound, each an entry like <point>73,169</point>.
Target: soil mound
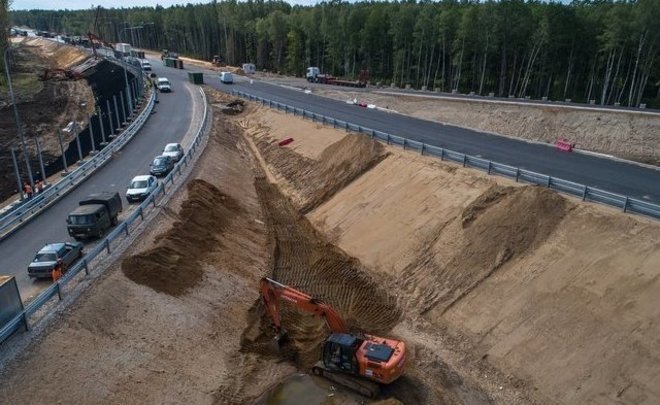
<point>504,223</point>
<point>303,259</point>
<point>174,265</point>
<point>316,181</point>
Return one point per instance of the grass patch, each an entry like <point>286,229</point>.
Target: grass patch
<point>26,86</point>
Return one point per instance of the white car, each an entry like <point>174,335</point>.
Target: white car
<point>141,187</point>
<point>226,77</point>
<point>163,85</point>
<point>173,150</point>
<point>146,65</point>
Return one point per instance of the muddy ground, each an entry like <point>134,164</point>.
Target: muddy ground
<point>43,106</point>
<point>503,293</point>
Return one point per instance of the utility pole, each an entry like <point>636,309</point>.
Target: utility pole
<point>19,127</point>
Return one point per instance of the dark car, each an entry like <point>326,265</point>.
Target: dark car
<point>45,260</point>
<point>161,165</point>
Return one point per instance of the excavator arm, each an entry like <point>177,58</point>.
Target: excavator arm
<point>273,292</point>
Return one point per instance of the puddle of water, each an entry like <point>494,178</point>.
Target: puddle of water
<point>303,389</point>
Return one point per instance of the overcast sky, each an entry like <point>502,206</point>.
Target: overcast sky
<point>87,4</point>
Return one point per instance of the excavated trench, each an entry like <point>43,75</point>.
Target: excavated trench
<point>305,260</point>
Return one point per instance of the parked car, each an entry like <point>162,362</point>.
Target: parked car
<point>161,165</point>
<point>146,65</point>
<point>226,77</point>
<point>140,188</point>
<point>163,85</point>
<point>173,150</point>
<point>46,259</point>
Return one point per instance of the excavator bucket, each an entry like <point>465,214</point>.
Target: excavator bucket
<point>280,339</point>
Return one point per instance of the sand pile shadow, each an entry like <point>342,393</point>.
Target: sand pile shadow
<point>174,265</point>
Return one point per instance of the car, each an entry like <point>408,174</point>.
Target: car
<point>46,258</point>
<point>163,85</point>
<point>161,165</point>
<point>146,65</point>
<point>226,77</point>
<point>173,150</point>
<point>140,188</point>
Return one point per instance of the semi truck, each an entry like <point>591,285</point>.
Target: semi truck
<point>94,215</point>
<point>314,75</point>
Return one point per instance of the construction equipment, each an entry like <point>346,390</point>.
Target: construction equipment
<point>94,40</point>
<point>360,362</point>
<point>314,75</point>
<point>59,74</point>
<point>165,54</point>
<point>218,61</point>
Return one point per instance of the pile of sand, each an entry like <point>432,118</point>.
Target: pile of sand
<point>173,266</point>
<point>59,55</point>
<point>314,181</point>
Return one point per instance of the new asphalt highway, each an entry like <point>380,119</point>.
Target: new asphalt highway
<point>616,176</point>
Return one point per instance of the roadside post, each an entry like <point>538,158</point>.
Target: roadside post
<point>59,138</point>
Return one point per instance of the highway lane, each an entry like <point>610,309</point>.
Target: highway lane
<point>170,123</point>
<point>608,174</point>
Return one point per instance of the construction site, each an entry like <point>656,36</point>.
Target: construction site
<point>499,290</point>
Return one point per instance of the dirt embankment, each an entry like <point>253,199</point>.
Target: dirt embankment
<point>503,293</point>
<point>508,292</point>
<point>43,106</point>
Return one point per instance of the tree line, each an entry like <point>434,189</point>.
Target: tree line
<point>603,51</point>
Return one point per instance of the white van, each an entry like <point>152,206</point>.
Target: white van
<point>163,85</point>
<point>226,77</point>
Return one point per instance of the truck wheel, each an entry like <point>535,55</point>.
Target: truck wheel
<point>114,221</point>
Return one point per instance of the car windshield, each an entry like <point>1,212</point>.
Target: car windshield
<point>163,83</point>
<point>81,219</point>
<point>139,184</point>
<point>170,148</point>
<point>45,257</point>
<point>159,161</point>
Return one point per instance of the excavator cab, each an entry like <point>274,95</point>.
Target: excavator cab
<point>339,353</point>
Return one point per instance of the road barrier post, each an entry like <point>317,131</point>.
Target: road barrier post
<point>114,99</point>
<point>112,127</point>
<point>91,135</point>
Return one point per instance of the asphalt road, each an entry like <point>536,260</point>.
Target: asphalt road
<point>170,123</point>
<point>608,174</point>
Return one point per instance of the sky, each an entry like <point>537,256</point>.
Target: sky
<point>87,4</point>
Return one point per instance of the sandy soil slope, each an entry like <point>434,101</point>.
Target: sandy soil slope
<point>44,106</point>
<point>504,293</point>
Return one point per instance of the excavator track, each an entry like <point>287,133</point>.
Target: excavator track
<point>367,388</point>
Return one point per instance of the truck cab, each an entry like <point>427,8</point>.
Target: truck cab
<point>312,73</point>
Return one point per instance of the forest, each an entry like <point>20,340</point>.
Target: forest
<point>598,51</point>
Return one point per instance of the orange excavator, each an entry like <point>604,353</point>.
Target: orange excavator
<point>360,362</point>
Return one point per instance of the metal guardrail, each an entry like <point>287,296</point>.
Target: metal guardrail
<point>106,244</point>
<point>12,219</point>
<point>625,203</point>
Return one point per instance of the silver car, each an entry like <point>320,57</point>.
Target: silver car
<point>173,150</point>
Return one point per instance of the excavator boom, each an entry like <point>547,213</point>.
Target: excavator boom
<point>271,293</point>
